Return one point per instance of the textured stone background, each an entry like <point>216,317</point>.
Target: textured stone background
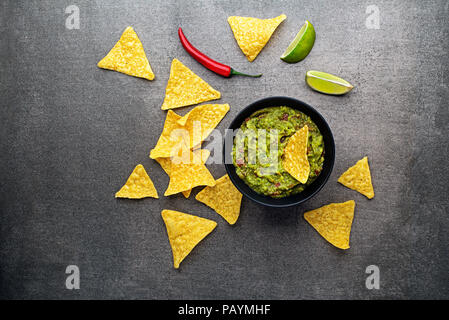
<point>71,133</point>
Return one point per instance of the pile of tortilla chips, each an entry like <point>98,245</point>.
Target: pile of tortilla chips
<point>179,137</point>
<point>178,149</point>
<point>179,153</point>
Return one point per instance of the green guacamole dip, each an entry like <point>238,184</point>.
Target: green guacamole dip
<point>276,182</point>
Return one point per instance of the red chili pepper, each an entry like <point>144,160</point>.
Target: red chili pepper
<point>217,67</point>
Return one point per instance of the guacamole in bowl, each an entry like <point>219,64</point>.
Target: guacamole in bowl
<point>267,182</point>
<point>279,123</point>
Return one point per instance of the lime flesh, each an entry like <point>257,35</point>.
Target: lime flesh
<point>327,83</point>
<point>301,46</point>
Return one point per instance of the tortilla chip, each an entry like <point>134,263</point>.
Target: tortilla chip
<point>138,186</point>
<point>358,178</point>
<point>201,120</point>
<point>185,88</point>
<point>170,140</point>
<point>204,154</point>
<point>128,56</point>
<point>252,34</point>
<point>333,222</point>
<point>185,176</point>
<point>224,198</point>
<point>295,159</point>
<point>187,193</point>
<point>185,231</point>
<point>166,164</point>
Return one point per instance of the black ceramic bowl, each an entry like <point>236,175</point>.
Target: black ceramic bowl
<point>312,189</point>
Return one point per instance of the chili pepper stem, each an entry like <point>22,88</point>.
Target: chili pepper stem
<point>236,73</point>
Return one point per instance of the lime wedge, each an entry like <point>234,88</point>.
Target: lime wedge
<point>300,47</point>
<point>327,83</point>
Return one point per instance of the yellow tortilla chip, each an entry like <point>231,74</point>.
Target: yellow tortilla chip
<point>188,175</point>
<point>166,164</point>
<point>295,159</point>
<point>224,198</point>
<point>201,120</point>
<point>128,56</point>
<point>252,34</point>
<point>358,178</point>
<point>185,88</point>
<point>138,186</point>
<point>333,222</point>
<point>186,193</point>
<point>185,231</point>
<point>170,139</point>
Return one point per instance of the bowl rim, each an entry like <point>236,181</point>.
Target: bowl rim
<point>291,200</point>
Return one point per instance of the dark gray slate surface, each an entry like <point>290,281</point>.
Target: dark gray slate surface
<point>71,133</point>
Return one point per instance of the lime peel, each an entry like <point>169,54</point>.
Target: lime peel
<point>327,83</point>
<point>301,45</point>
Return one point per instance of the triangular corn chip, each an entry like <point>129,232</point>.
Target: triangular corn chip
<point>166,164</point>
<point>185,231</point>
<point>333,222</point>
<point>295,159</point>
<point>252,34</point>
<point>128,56</point>
<point>358,178</point>
<point>189,173</point>
<point>171,137</point>
<point>187,193</point>
<point>185,88</point>
<point>224,198</point>
<point>138,186</point>
<point>201,120</point>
